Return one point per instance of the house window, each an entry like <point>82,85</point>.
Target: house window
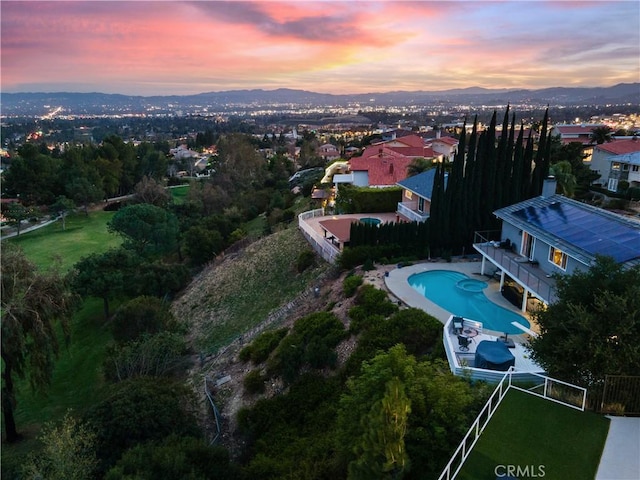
<point>408,194</point>
<point>558,258</point>
<point>615,166</point>
<point>421,204</point>
<point>625,167</point>
<point>635,168</point>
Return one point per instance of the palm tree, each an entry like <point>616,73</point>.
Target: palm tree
<point>601,134</point>
<point>419,165</point>
<point>565,179</point>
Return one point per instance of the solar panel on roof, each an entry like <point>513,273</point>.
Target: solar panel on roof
<point>593,232</point>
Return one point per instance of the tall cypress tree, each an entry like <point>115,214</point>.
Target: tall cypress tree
<point>526,170</point>
<point>435,225</point>
<point>518,167</point>
<point>538,175</point>
<point>455,194</point>
<point>488,159</point>
<point>507,173</point>
<point>502,164</point>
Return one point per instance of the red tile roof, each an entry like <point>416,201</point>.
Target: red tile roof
<point>620,147</point>
<point>411,146</point>
<point>385,166</point>
<point>447,140</point>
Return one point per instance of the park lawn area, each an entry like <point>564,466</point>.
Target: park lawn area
<point>82,236</point>
<point>77,375</point>
<point>529,431</point>
<point>179,194</point>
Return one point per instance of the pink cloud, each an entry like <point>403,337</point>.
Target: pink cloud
<point>346,46</point>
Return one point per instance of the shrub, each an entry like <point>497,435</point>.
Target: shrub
<point>633,193</point>
<point>151,355</point>
<point>254,382</point>
<point>260,349</point>
<point>305,260</point>
<point>368,265</point>
<point>141,315</point>
<point>311,342</point>
<point>351,284</point>
<point>175,457</point>
<point>374,301</point>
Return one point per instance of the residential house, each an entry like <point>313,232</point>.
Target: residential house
<point>328,152</point>
<point>553,234</point>
<point>580,133</point>
<point>412,146</point>
<point>417,191</point>
<point>617,161</point>
<point>569,133</point>
<point>444,148</point>
<point>378,166</point>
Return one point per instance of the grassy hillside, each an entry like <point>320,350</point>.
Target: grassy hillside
<point>227,299</point>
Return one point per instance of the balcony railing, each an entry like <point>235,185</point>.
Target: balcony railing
<point>528,275</point>
<point>412,215</point>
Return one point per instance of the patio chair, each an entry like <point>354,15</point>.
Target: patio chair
<point>464,342</point>
<point>457,324</point>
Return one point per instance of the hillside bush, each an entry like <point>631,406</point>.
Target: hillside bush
<point>253,382</point>
<point>150,355</point>
<point>141,315</point>
<point>260,349</point>
<point>306,259</point>
<point>311,342</point>
<point>351,284</point>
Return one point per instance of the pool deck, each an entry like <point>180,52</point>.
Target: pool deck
<point>397,282</point>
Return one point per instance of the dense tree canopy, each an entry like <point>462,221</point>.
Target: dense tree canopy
<point>105,275</point>
<point>146,229</point>
<point>138,410</point>
<point>394,389</point>
<point>593,327</point>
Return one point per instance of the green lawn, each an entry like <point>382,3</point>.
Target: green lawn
<point>179,194</point>
<point>82,236</point>
<point>77,376</point>
<point>529,431</point>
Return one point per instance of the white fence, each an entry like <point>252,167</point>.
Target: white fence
<point>320,244</point>
<point>554,390</point>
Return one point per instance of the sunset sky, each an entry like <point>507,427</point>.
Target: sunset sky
<point>169,47</point>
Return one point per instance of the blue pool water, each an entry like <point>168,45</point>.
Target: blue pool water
<point>371,220</point>
<point>463,296</point>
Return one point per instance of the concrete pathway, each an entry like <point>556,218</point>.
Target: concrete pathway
<point>8,233</point>
<point>621,455</point>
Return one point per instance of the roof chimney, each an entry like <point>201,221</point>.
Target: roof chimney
<point>549,186</point>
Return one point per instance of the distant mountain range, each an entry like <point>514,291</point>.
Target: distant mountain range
<point>94,103</point>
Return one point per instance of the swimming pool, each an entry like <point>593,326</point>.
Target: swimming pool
<point>463,296</point>
<point>371,220</point>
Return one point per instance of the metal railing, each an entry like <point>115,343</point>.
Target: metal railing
<point>216,413</point>
<point>473,434</point>
<point>551,389</point>
<point>542,287</point>
<point>412,215</point>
